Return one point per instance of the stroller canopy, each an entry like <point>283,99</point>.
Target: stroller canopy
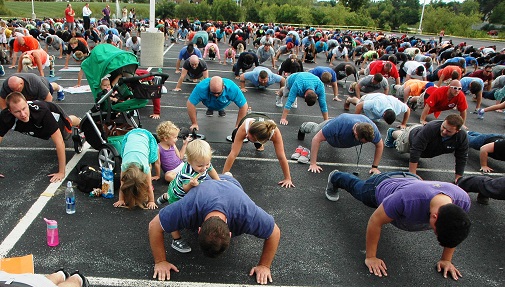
<point>107,59</point>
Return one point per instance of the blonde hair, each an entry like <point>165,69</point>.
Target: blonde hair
<point>263,130</point>
<point>240,48</point>
<point>167,129</point>
<point>27,62</point>
<point>198,149</point>
<point>134,186</point>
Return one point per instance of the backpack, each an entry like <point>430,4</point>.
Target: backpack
<point>88,177</point>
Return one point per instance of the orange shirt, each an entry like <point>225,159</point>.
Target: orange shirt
<point>447,71</point>
<point>416,86</point>
<point>30,44</point>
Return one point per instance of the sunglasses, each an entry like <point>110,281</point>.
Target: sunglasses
<point>457,88</point>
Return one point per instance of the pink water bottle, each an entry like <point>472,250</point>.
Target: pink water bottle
<point>52,232</point>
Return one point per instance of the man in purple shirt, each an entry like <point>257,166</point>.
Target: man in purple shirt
<point>411,204</point>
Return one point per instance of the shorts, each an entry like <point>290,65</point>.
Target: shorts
<point>177,169</point>
<point>35,280</point>
<point>402,142</point>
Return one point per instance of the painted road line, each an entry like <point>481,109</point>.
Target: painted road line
<point>37,207</point>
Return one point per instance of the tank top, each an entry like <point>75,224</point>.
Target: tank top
<point>168,158</point>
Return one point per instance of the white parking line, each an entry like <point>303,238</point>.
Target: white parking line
<point>37,207</point>
<point>144,283</point>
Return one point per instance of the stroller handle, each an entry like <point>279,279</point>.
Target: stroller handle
<point>163,76</point>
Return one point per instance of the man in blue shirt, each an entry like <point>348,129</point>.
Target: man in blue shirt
<point>344,131</point>
<point>216,94</point>
<point>230,212</point>
<point>410,204</point>
<point>184,54</point>
<point>304,85</point>
<point>261,78</point>
<point>329,77</point>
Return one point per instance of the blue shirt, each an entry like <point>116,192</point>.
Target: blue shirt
<point>299,83</point>
<point>184,55</point>
<point>375,104</point>
<point>321,46</point>
<point>465,83</point>
<point>319,70</point>
<point>231,93</point>
<point>338,131</point>
<point>254,75</point>
<point>226,196</point>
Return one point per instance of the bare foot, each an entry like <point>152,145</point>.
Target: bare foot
<point>337,99</point>
<point>499,111</point>
<point>262,148</point>
<point>155,116</point>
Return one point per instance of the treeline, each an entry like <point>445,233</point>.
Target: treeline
<point>397,15</point>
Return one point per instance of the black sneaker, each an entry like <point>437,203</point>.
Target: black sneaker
<point>209,113</point>
<point>222,113</point>
<point>85,282</point>
<point>162,199</point>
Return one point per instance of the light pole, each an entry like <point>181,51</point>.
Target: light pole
<point>33,12</point>
<point>422,15</point>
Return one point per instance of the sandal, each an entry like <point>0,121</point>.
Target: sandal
<point>85,282</point>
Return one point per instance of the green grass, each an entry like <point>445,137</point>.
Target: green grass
<point>57,9</point>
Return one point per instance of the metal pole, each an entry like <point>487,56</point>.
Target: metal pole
<point>33,12</point>
<point>422,15</point>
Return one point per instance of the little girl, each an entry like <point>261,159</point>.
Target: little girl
<point>139,151</point>
<point>169,156</point>
<point>192,174</point>
<point>229,56</point>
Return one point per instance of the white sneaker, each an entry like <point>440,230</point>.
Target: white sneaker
<point>278,101</point>
<point>295,104</point>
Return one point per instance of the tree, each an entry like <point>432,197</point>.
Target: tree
<point>487,6</point>
<point>355,5</point>
<point>165,9</point>
<point>496,16</point>
<point>225,10</point>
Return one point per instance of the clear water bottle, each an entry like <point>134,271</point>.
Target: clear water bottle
<point>52,232</point>
<point>70,198</point>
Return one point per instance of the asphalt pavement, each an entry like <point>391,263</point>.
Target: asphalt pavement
<point>322,242</point>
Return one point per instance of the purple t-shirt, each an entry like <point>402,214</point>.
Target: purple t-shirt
<point>226,196</point>
<point>407,202</point>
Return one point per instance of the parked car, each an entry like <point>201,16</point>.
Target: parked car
<point>493,33</point>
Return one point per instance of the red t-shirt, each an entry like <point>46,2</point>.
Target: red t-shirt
<point>438,100</point>
<point>68,15</point>
<point>447,72</point>
<point>378,67</point>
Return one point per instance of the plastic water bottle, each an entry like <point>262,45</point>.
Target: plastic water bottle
<point>52,232</point>
<point>70,198</point>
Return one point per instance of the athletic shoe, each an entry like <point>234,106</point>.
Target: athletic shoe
<point>222,113</point>
<point>410,104</point>
<point>390,141</point>
<point>51,73</point>
<point>304,156</point>
<point>2,71</point>
<point>181,246</point>
<point>278,101</point>
<point>61,96</point>
<point>295,104</point>
<point>332,193</point>
<point>209,113</point>
<point>393,90</point>
<point>480,114</point>
<point>162,199</point>
<point>297,153</point>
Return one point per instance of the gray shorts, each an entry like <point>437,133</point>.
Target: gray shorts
<point>402,142</point>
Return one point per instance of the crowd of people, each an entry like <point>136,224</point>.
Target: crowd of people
<point>389,76</point>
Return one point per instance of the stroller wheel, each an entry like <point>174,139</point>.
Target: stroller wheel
<point>77,147</point>
<point>109,157</point>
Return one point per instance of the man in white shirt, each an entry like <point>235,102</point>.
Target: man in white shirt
<point>134,44</point>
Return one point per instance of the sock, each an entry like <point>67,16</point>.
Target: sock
<point>60,88</point>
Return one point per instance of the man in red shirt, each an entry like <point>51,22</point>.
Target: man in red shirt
<point>69,18</point>
<point>449,72</point>
<point>23,44</point>
<point>443,99</point>
<point>486,75</point>
<point>386,68</point>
